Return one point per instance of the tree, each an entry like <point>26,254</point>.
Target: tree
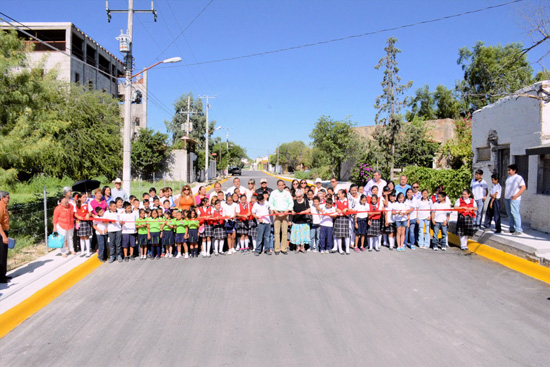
<point>51,127</point>
<point>491,72</point>
<point>458,152</point>
<point>415,147</point>
<point>150,152</point>
<point>291,155</point>
<point>228,154</point>
<point>336,140</point>
<point>448,105</point>
<point>176,126</point>
<point>388,104</point>
<point>422,105</point>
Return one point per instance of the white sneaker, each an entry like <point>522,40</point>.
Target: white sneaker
<point>207,255</point>
<point>308,250</point>
<point>203,254</point>
<point>233,251</point>
<point>178,256</point>
<point>315,250</point>
<point>186,256</point>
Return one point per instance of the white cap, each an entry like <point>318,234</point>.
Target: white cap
<point>117,180</point>
<point>318,179</point>
<point>263,180</point>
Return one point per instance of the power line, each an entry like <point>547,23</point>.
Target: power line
<point>291,48</point>
<point>183,31</point>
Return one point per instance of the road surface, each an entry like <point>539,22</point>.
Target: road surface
<point>418,308</point>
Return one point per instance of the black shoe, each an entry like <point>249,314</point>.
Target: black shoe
<point>284,252</point>
<point>4,281</point>
<point>126,259</point>
<point>269,253</point>
<point>8,277</point>
<point>276,253</point>
<point>497,232</point>
<point>256,253</point>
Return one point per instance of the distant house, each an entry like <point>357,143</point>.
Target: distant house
<point>516,129</point>
<point>440,131</point>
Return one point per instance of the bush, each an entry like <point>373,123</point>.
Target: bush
<point>303,175</point>
<point>454,181</point>
<point>323,172</point>
<point>361,174</point>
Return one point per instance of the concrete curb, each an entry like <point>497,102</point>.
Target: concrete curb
<point>10,319</point>
<point>277,177</point>
<point>513,262</point>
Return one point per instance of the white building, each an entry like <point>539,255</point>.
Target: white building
<point>516,129</point>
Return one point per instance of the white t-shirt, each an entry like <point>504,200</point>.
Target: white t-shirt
<point>496,189</point>
<point>229,209</point>
<point>424,208</point>
<point>112,226</point>
<point>441,216</point>
<point>169,199</point>
<point>412,204</point>
<point>326,220</point>
<point>513,184</point>
<point>315,218</point>
<point>262,211</point>
<point>130,219</point>
<point>389,215</point>
<point>362,208</point>
<point>372,183</point>
<point>231,190</point>
<point>467,201</point>
<point>399,207</point>
<point>102,226</point>
<point>478,188</point>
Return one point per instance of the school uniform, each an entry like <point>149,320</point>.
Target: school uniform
<point>440,216</point>
<point>389,224</point>
<point>326,229</point>
<point>341,222</point>
<point>410,233</point>
<point>252,224</point>
<point>494,212</point>
<point>84,226</point>
<point>374,228</point>
<point>479,188</point>
<point>465,221</point>
<point>168,233</point>
<point>362,218</point>
<point>230,225</point>
<point>219,231</point>
<point>314,230</point>
<point>243,222</point>
<point>114,233</point>
<point>424,210</point>
<point>193,227</point>
<point>261,210</point>
<point>128,229</point>
<point>101,235</point>
<point>141,231</point>
<point>179,229</point>
<point>208,228</point>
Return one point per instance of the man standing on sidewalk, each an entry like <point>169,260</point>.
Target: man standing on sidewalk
<point>280,203</point>
<point>515,186</point>
<point>480,190</point>
<point>118,191</point>
<point>4,228</point>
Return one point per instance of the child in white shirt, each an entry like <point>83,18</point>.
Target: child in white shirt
<point>440,220</point>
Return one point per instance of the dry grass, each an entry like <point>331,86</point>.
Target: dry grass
<point>26,255</point>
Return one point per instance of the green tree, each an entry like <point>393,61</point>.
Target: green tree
<point>291,155</point>
<point>389,104</point>
<point>415,147</point>
<point>52,127</point>
<point>448,106</point>
<point>491,72</point>
<point>150,152</point>
<point>440,104</point>
<point>458,152</point>
<point>336,140</point>
<point>228,154</point>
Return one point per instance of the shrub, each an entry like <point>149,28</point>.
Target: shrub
<point>301,175</point>
<point>361,174</point>
<point>454,181</point>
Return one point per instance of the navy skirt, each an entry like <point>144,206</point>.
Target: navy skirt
<point>155,238</point>
<point>229,226</point>
<point>193,236</point>
<point>362,224</point>
<point>180,238</point>
<point>167,238</point>
<point>142,239</point>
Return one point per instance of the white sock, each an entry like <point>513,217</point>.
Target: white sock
<point>347,240</point>
<point>377,242</point>
<point>82,245</point>
<point>208,246</point>
<point>242,243</point>
<point>87,243</point>
<point>464,242</point>
<point>371,242</point>
<point>392,242</point>
<point>335,242</point>
<point>339,242</point>
<point>217,246</point>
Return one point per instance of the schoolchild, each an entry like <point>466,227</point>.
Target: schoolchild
<point>361,219</point>
<point>101,234</point>
<point>219,231</point>
<point>119,205</point>
<point>315,230</point>
<point>153,234</point>
<point>192,232</point>
<point>128,221</point>
<point>141,226</point>
<point>243,223</point>
<point>440,220</point>
<point>467,211</point>
<point>180,234</point>
<point>389,225</point>
<point>230,225</point>
<point>493,208</point>
<point>326,225</point>
<point>375,208</point>
<point>114,231</point>
<point>400,213</point>
<point>167,234</point>
<point>207,229</point>
<point>84,229</point>
<point>341,223</point>
<point>424,218</point>
<point>410,232</point>
<point>252,223</point>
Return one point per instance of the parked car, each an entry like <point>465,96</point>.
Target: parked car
<point>235,171</point>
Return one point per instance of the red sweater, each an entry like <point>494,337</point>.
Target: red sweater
<point>64,217</point>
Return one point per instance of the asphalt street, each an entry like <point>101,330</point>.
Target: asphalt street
<point>418,308</point>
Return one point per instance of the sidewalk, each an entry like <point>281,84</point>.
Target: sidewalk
<point>35,275</point>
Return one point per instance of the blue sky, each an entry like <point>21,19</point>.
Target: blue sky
<point>278,98</point>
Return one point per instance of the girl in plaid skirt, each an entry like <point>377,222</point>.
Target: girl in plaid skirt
<point>243,216</point>
<point>219,230</point>
<point>341,222</point>
<point>84,229</point>
<point>206,229</point>
<point>466,214</point>
<point>375,214</point>
<point>390,227</point>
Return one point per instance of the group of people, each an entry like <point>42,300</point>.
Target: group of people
<point>262,220</point>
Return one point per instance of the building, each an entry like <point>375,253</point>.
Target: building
<point>516,129</point>
<point>90,64</point>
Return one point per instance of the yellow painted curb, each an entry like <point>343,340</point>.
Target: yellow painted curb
<point>510,261</point>
<point>10,319</point>
<point>280,178</point>
<point>210,187</point>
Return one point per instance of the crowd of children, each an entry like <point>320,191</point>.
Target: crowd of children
<point>327,221</point>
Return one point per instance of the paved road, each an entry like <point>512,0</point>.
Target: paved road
<point>418,308</point>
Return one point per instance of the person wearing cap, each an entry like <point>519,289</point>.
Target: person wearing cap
<point>118,191</point>
<point>263,187</point>
<point>318,185</point>
<point>4,228</point>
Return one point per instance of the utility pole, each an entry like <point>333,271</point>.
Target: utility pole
<point>188,113</point>
<point>127,132</point>
<point>207,133</point>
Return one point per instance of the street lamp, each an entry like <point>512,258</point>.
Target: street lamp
<point>126,173</point>
<point>206,155</point>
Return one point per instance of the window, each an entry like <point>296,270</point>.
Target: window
<point>77,78</point>
<point>483,154</point>
<point>543,181</point>
<point>522,161</point>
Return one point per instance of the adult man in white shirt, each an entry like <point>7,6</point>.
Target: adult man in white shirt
<point>280,203</point>
<point>515,186</point>
<point>118,191</point>
<point>375,181</point>
<point>480,191</point>
<point>236,185</point>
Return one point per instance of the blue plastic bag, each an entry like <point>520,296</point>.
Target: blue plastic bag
<point>11,243</point>
<point>55,240</point>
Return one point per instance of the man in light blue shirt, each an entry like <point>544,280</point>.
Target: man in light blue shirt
<point>403,186</point>
<point>280,203</point>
